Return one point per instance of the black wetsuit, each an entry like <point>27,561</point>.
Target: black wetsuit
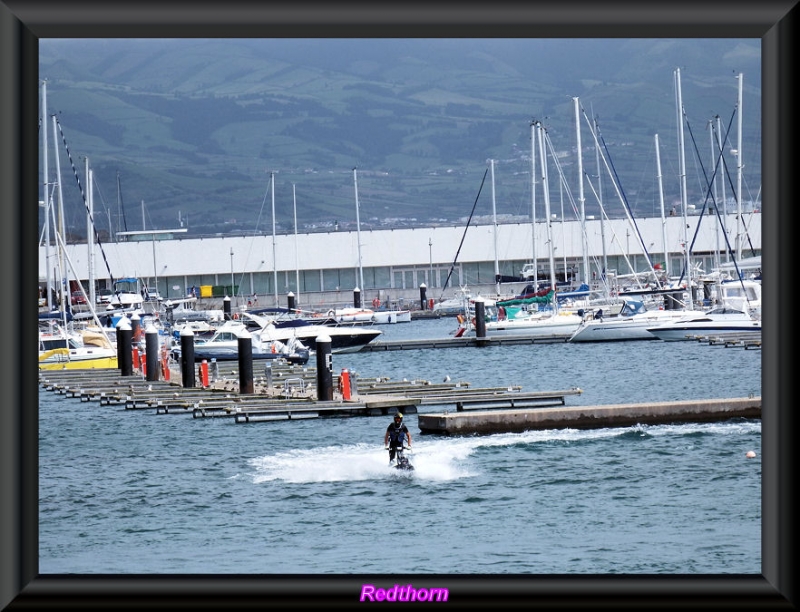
<point>397,435</point>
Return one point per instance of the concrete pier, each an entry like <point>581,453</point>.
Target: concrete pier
<point>588,417</point>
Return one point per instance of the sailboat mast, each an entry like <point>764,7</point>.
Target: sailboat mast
<point>494,233</point>
<point>274,251</point>
<point>533,205</point>
<point>684,201</point>
<point>724,196</point>
<point>545,188</point>
<point>581,197</point>
<point>120,206</point>
<point>714,164</point>
<point>61,230</point>
<point>296,256</point>
<point>358,232</point>
<point>740,220</point>
<point>46,196</point>
<point>600,200</point>
<point>90,228</point>
<point>663,216</point>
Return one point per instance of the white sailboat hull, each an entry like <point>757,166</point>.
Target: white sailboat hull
<point>556,326</point>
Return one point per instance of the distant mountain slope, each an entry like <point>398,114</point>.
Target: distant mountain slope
<point>193,128</point>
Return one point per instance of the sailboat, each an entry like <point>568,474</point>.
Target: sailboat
<point>60,346</point>
<point>362,315</point>
<point>553,323</point>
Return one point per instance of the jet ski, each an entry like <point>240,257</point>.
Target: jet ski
<point>401,461</point>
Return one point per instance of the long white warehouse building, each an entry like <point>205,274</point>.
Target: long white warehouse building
<point>318,268</point>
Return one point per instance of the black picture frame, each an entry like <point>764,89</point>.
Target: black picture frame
<point>23,22</point>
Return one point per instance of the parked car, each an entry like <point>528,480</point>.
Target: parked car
<point>151,295</point>
<point>103,296</point>
<point>78,298</point>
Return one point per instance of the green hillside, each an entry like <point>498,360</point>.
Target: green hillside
<point>191,130</point>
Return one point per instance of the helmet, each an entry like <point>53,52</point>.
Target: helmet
<point>399,415</point>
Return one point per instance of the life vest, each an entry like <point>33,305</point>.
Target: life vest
<point>396,434</point>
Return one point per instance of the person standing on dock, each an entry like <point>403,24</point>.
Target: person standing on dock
<point>395,433</point>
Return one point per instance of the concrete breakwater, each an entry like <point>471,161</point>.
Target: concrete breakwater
<point>588,417</point>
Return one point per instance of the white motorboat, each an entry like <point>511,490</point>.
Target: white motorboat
<point>382,317</point>
<point>702,323</point>
<point>631,323</point>
<point>344,338</point>
<point>223,345</point>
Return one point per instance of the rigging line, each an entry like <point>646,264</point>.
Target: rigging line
<point>565,185</point>
<point>614,238</point>
<point>730,179</point>
<point>261,214</point>
<point>709,193</point>
<point>628,208</point>
<point>83,197</point>
<point>121,204</point>
<point>620,193</point>
<point>453,265</point>
<point>709,185</point>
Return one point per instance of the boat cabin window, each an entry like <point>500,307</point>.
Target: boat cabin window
<point>48,344</point>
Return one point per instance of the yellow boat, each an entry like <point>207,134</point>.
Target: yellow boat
<point>65,351</point>
<point>74,359</point>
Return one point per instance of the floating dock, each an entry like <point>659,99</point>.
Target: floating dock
<point>748,340</point>
<point>588,417</point>
<point>288,393</point>
<point>453,342</point>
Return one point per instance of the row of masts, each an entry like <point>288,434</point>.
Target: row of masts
<point>539,139</point>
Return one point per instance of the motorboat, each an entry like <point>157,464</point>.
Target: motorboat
<point>223,345</point>
<point>344,338</point>
<point>723,319</point>
<point>62,349</point>
<point>630,323</point>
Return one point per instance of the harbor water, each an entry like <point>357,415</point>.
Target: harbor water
<point>135,492</point>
